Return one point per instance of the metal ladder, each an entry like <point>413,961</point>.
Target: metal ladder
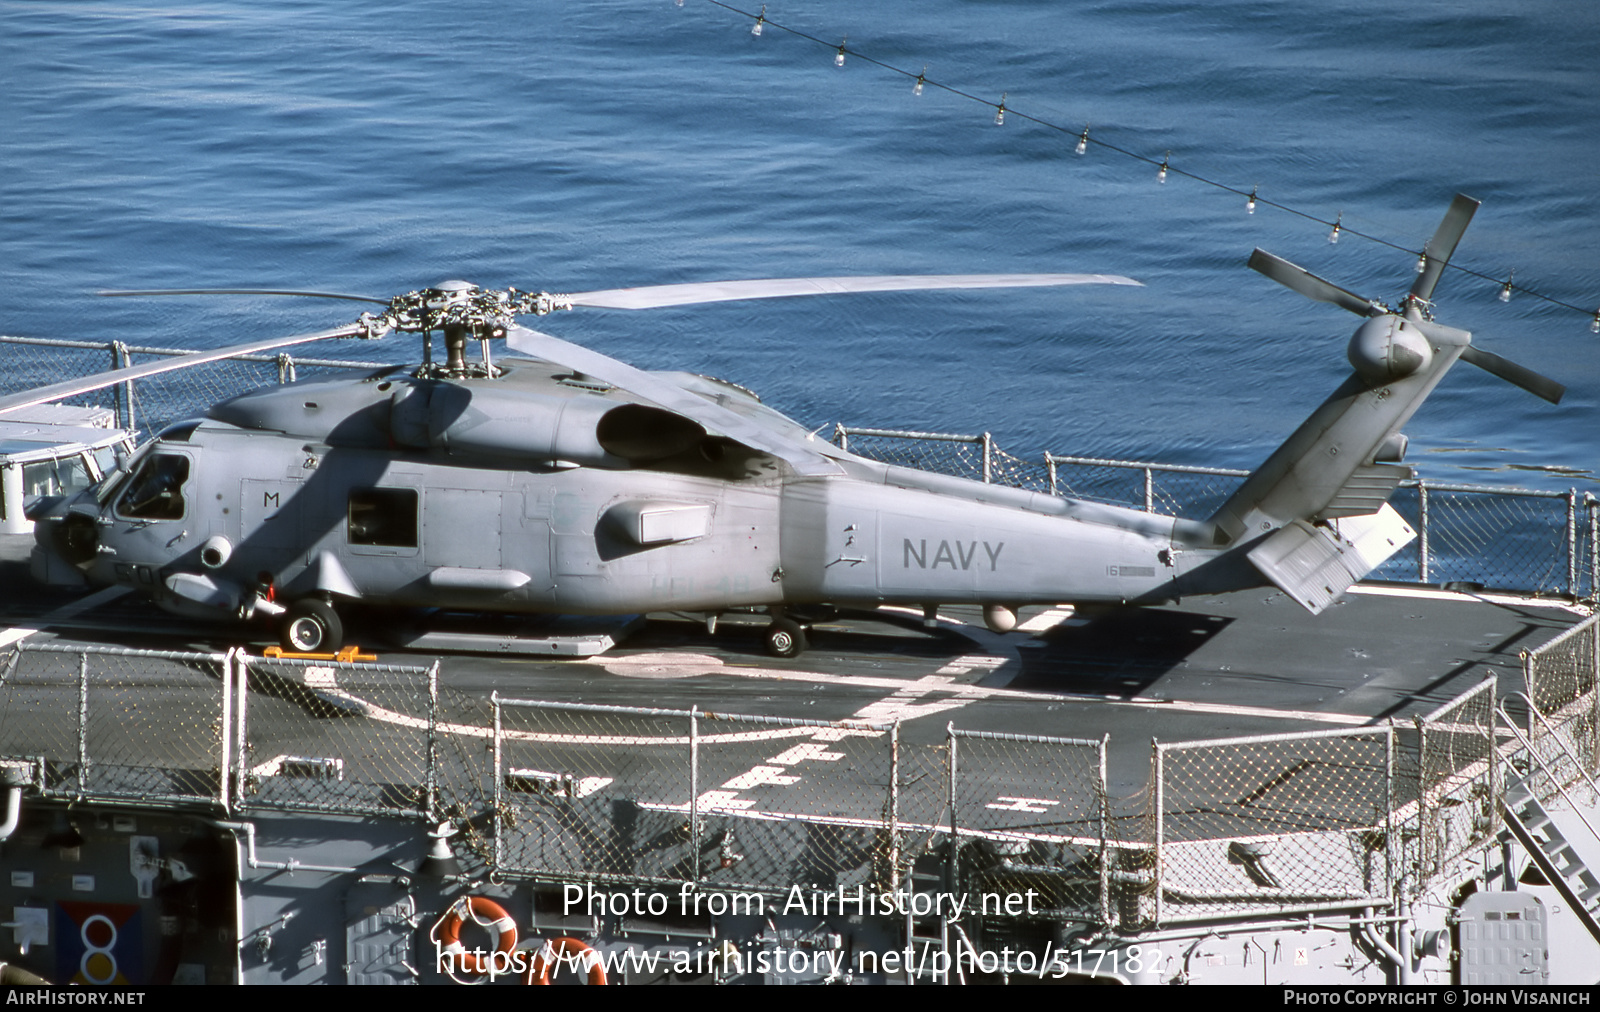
<point>1531,823</point>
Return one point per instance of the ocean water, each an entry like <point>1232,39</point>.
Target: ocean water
<point>375,148</point>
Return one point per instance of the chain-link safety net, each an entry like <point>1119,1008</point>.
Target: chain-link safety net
<point>1497,538</point>
<point>1278,821</point>
<point>1195,493</point>
<point>591,792</point>
<point>338,737</point>
<point>961,456</point>
<point>783,803</point>
<point>156,401</point>
<point>1454,807</point>
<point>1030,815</point>
<point>31,364</point>
<point>116,724</point>
<point>1563,680</point>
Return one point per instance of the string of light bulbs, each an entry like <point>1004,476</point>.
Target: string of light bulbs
<point>1164,167</point>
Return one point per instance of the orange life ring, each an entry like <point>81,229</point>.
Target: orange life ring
<point>568,951</point>
<point>487,913</point>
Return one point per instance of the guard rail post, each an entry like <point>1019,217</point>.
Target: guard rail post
<point>1572,543</point>
<point>123,397</point>
<point>1422,531</point>
<point>430,800</point>
<point>499,782</point>
<point>694,791</point>
<point>83,723</point>
<point>894,807</point>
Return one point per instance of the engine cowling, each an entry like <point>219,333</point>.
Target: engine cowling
<point>590,431</point>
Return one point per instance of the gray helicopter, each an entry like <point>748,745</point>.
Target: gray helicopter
<point>567,482</point>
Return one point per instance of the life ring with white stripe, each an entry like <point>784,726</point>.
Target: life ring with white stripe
<point>568,952</point>
<point>488,914</point>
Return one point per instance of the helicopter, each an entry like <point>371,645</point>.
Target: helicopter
<point>560,480</point>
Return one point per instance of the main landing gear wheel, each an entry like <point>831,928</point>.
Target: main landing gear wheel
<point>311,626</point>
<point>785,638</point>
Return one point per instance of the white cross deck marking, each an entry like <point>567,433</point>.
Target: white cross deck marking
<point>962,665</point>
<point>801,753</point>
<point>1035,805</point>
<point>712,801</point>
<point>759,776</point>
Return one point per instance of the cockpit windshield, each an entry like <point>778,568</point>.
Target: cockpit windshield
<point>155,489</point>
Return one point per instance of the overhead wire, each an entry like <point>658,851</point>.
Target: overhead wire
<point>1004,109</point>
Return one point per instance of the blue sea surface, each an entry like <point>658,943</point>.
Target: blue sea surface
<point>378,147</point>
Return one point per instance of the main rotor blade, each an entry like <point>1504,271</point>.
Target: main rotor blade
<point>88,384</point>
<point>1511,372</point>
<point>1443,245</point>
<point>244,291</point>
<point>1308,284</point>
<point>659,296</point>
<point>671,396</point>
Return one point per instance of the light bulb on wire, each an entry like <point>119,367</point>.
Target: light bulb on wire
<point>1000,111</point>
<point>1338,223</point>
<point>761,20</point>
<point>1161,175</point>
<point>1083,141</point>
<point>1250,205</point>
<point>916,89</point>
<point>838,58</point>
<point>1505,289</point>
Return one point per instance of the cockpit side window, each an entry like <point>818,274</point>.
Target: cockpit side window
<point>155,490</point>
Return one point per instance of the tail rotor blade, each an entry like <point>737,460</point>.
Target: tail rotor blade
<point>1516,375</point>
<point>1308,284</point>
<point>1443,245</point>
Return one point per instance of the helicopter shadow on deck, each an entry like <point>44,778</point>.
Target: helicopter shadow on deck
<point>1117,651</point>
<point>846,633</point>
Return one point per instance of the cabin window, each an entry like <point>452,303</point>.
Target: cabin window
<point>54,477</point>
<point>155,491</point>
<point>383,516</point>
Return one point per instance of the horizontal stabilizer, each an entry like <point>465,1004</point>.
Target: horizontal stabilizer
<point>1366,491</point>
<point>1316,564</point>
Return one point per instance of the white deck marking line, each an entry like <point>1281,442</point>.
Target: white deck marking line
<point>846,820</point>
<point>66,611</point>
<point>899,704</point>
<point>1046,620</point>
<point>1349,720</point>
<point>327,684</point>
<point>1431,594</point>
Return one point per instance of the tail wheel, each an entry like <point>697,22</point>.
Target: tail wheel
<point>785,638</point>
<point>311,626</point>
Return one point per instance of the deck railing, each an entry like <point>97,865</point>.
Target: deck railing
<point>758,806</point>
